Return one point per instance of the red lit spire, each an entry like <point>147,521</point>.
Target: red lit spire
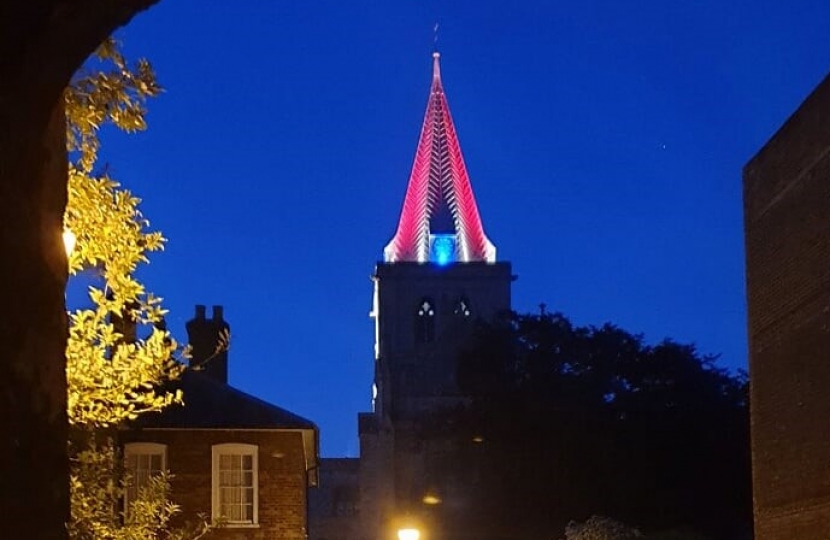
<point>439,199</point>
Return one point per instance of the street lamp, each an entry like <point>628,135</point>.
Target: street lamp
<point>409,533</point>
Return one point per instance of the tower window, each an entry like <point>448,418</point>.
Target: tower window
<point>425,321</point>
<point>462,308</point>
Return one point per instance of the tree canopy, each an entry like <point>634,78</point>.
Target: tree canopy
<point>563,422</point>
<point>112,377</point>
<point>119,355</point>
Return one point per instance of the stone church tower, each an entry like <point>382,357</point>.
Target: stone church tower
<point>438,275</point>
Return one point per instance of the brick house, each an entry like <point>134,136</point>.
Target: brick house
<point>787,227</point>
<point>244,463</point>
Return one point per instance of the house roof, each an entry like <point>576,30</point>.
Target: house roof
<point>212,404</point>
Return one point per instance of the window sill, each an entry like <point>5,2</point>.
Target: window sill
<point>226,525</point>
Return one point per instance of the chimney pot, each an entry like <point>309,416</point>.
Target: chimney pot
<point>200,311</point>
<point>218,312</point>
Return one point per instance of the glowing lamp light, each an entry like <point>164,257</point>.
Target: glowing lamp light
<point>69,241</point>
<point>431,499</point>
<point>409,534</point>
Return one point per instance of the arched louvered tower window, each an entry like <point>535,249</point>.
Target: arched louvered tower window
<point>425,321</point>
<point>462,308</point>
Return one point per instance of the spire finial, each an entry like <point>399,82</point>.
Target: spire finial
<point>436,68</point>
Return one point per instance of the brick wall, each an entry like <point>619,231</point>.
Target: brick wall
<point>787,225</point>
<point>282,478</point>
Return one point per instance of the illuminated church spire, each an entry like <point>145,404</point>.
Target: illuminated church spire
<point>439,221</point>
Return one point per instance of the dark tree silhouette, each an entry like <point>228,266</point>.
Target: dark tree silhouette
<point>566,422</point>
<point>42,43</point>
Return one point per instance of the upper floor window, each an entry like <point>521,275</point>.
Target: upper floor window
<point>235,484</point>
<point>143,461</point>
<point>425,321</point>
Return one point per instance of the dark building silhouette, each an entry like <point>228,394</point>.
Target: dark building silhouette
<point>439,275</point>
<point>787,225</point>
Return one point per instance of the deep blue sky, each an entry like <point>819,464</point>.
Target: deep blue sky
<point>604,143</point>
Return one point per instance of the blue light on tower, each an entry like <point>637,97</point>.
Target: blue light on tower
<point>442,250</point>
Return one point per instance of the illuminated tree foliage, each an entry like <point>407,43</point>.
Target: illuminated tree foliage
<point>111,378</point>
<point>113,373</point>
<point>96,496</point>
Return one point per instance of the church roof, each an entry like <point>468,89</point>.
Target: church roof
<point>439,198</point>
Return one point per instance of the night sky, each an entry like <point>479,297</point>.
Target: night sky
<point>604,143</point>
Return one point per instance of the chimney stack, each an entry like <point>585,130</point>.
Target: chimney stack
<point>205,335</point>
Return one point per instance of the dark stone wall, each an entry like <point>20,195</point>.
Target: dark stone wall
<point>413,375</point>
<point>787,226</point>
<point>334,506</point>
